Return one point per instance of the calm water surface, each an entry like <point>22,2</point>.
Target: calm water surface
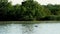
<point>42,28</point>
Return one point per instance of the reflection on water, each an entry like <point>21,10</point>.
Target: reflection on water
<point>11,29</point>
<point>46,28</point>
<point>27,28</point>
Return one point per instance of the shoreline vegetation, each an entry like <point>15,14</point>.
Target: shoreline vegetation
<point>29,10</point>
<point>28,22</point>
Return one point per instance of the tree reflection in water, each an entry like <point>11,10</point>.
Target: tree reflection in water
<point>27,28</point>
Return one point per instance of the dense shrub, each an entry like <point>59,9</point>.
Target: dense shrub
<point>29,10</point>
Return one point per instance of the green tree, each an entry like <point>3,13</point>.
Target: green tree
<point>3,6</point>
<point>33,10</point>
<point>53,8</point>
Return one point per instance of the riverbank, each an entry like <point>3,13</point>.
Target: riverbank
<point>27,22</point>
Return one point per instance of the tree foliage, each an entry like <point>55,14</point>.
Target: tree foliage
<point>29,10</point>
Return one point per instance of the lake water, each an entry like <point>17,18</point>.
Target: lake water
<point>41,28</point>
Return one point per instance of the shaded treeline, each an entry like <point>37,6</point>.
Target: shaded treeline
<point>28,11</point>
